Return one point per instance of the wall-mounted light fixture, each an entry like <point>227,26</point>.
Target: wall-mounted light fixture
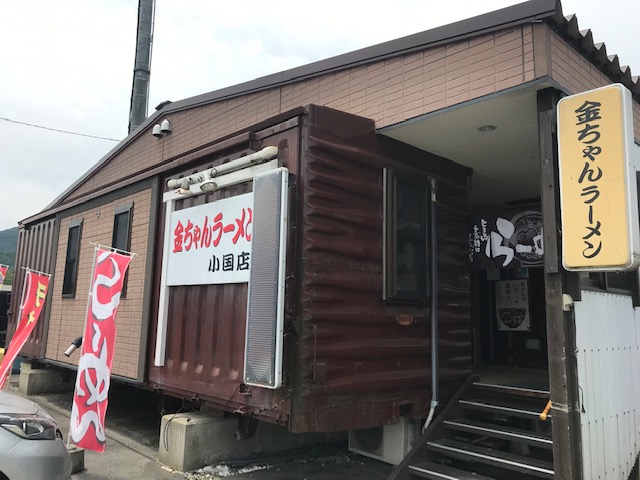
<point>203,182</point>
<point>162,129</point>
<point>165,126</point>
<point>208,186</point>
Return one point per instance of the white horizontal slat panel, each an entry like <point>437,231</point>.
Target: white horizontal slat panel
<point>608,342</point>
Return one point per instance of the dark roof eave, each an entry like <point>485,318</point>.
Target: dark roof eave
<point>549,11</point>
<point>596,52</point>
<point>510,16</point>
<point>522,13</point>
<point>123,143</point>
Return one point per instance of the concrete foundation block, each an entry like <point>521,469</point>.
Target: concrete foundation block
<point>36,381</point>
<point>77,458</point>
<point>189,441</point>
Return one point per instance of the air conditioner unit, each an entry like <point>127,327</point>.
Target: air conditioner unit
<point>387,443</point>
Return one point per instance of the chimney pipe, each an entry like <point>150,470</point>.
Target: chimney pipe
<point>141,68</point>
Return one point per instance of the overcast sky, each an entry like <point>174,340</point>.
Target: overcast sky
<point>68,65</point>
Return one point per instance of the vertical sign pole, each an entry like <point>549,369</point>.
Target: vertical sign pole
<point>561,329</point>
<point>161,334</point>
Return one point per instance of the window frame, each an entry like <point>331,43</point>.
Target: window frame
<point>70,277</point>
<point>392,180</point>
<point>119,211</point>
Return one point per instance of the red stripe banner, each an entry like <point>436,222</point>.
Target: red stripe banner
<point>94,369</point>
<point>33,296</point>
<point>3,273</point>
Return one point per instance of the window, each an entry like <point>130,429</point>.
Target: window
<point>121,238</point>
<point>623,283</point>
<point>71,260</point>
<point>618,282</point>
<point>406,258</point>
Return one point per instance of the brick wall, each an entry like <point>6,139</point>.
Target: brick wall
<point>387,91</point>
<point>68,314</point>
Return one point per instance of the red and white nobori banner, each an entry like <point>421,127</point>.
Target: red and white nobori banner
<point>98,345</point>
<point>34,293</point>
<point>3,273</point>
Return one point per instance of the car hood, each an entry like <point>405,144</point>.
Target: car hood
<point>12,404</point>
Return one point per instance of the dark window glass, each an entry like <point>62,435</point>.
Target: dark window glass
<point>619,280</point>
<point>121,239</point>
<point>616,282</point>
<point>71,260</point>
<point>121,230</point>
<point>406,244</point>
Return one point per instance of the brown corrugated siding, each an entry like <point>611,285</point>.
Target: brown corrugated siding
<point>348,363</point>
<point>67,316</point>
<point>356,364</point>
<point>387,91</point>
<point>35,251</point>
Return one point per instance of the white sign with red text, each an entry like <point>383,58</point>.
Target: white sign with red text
<point>211,243</point>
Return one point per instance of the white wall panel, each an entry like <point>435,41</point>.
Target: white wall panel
<point>608,341</point>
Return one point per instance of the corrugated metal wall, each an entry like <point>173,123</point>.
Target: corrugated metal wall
<point>35,251</point>
<point>608,341</point>
<point>206,323</point>
<point>360,365</point>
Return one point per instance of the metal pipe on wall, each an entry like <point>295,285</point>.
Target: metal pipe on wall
<point>433,255</point>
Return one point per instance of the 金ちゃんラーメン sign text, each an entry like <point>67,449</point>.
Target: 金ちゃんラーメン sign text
<point>598,205</point>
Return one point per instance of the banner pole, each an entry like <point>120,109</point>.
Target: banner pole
<point>36,271</point>
<point>24,326</point>
<point>84,326</point>
<point>23,301</point>
<point>98,344</point>
<point>112,249</point>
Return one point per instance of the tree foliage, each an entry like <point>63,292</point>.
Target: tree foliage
<point>8,246</point>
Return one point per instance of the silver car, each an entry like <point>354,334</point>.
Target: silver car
<point>31,444</point>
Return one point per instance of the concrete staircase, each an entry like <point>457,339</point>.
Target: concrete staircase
<point>487,431</point>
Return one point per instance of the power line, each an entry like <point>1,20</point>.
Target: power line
<point>56,130</point>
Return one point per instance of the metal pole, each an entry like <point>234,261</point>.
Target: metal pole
<point>434,295</point>
<point>142,65</point>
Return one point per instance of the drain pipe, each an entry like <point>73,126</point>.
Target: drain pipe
<point>433,255</point>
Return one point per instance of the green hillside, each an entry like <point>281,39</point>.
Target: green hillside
<point>8,245</point>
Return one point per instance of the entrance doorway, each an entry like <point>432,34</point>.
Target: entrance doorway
<point>511,336</point>
<point>507,288</point>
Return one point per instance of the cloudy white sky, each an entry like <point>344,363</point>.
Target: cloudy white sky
<point>68,65</point>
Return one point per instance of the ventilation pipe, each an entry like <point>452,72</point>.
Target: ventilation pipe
<point>142,65</point>
<point>433,255</point>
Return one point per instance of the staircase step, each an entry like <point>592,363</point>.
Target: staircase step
<point>437,471</point>
<point>498,431</point>
<point>504,407</point>
<point>509,461</point>
<point>510,390</point>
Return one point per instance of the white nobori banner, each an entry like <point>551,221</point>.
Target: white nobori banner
<point>211,243</point>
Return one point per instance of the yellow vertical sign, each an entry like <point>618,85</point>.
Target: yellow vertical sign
<point>597,198</point>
